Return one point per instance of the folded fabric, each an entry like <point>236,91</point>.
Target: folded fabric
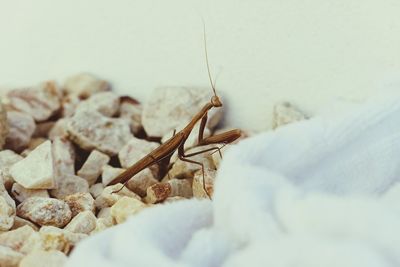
<point>321,192</point>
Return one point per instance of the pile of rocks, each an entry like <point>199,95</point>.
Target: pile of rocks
<point>62,145</point>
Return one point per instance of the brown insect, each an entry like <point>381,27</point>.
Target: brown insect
<point>162,154</point>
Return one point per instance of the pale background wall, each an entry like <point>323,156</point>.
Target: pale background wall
<point>310,52</point>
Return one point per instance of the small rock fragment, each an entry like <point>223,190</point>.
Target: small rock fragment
<point>109,173</point>
<point>93,166</point>
<point>9,257</point>
<point>157,193</point>
<point>110,195</point>
<point>41,102</point>
<point>45,211</point>
<point>59,129</point>
<point>91,130</point>
<point>141,181</point>
<point>21,222</point>
<point>135,150</point>
<point>69,185</point>
<point>3,125</point>
<point>106,103</point>
<point>64,158</point>
<point>285,113</point>
<point>21,128</point>
<point>7,214</point>
<point>105,213</point>
<point>101,225</point>
<point>7,159</point>
<point>172,106</point>
<point>125,207</point>
<point>131,110</point>
<point>83,223</point>
<point>59,239</point>
<point>181,188</point>
<point>69,104</point>
<point>36,171</point>
<point>183,169</point>
<point>198,188</point>
<point>96,189</point>
<point>84,85</point>
<point>15,239</point>
<point>80,202</point>
<point>52,258</point>
<point>20,193</point>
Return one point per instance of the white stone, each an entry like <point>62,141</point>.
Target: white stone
<point>64,158</point>
<point>93,166</point>
<point>15,239</point>
<point>69,104</point>
<point>83,223</point>
<point>126,207</point>
<point>84,85</point>
<point>96,189</point>
<point>7,159</point>
<point>45,211</point>
<point>131,110</point>
<point>80,202</point>
<point>181,188</point>
<point>141,181</point>
<point>21,222</point>
<point>169,107</point>
<point>41,101</point>
<point>21,129</point>
<point>9,257</point>
<point>111,194</point>
<point>107,103</point>
<point>109,173</point>
<point>69,185</point>
<point>157,193</point>
<point>59,129</point>
<point>20,193</point>
<point>36,171</point>
<point>91,130</point>
<point>135,150</point>
<point>37,258</point>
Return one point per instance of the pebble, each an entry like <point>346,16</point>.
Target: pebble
<point>36,171</point>
<point>83,223</point>
<point>52,258</point>
<point>91,130</point>
<point>9,257</point>
<point>106,103</point>
<point>69,185</point>
<point>131,110</point>
<point>20,193</point>
<point>126,207</point>
<point>157,193</point>
<point>45,211</point>
<point>84,85</point>
<point>173,106</point>
<point>21,128</point>
<point>109,196</point>
<point>80,202</point>
<point>93,166</point>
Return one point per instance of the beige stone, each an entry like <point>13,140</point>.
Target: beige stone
<point>15,239</point>
<point>59,129</point>
<point>135,150</point>
<point>9,257</point>
<point>64,158</point>
<point>181,188</point>
<point>126,207</point>
<point>198,185</point>
<point>131,110</point>
<point>52,258</point>
<point>41,101</point>
<point>96,189</point>
<point>7,214</point>
<point>285,113</point>
<point>21,222</point>
<point>93,166</point>
<point>80,202</point>
<point>141,181</point>
<point>21,129</point>
<point>157,193</point>
<point>45,211</point>
<point>84,85</point>
<point>107,103</point>
<point>69,104</point>
<point>101,225</point>
<point>91,130</point>
<point>7,159</point>
<point>20,193</point>
<point>110,196</point>
<point>69,185</point>
<point>169,107</point>
<point>83,223</point>
<point>36,171</point>
<point>109,173</point>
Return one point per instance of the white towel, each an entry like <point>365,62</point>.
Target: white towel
<point>321,192</point>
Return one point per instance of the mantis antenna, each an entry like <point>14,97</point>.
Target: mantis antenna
<point>208,65</point>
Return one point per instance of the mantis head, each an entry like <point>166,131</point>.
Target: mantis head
<point>215,101</point>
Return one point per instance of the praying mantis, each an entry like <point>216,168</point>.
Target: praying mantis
<point>162,154</point>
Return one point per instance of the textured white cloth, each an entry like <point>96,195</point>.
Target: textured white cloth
<point>321,192</point>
